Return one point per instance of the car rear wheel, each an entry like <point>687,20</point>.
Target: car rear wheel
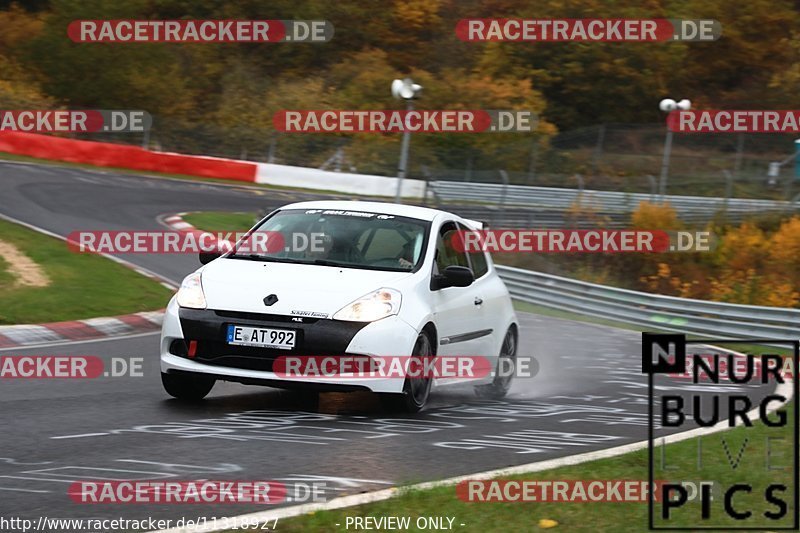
<point>497,389</point>
<point>416,390</point>
<point>185,386</point>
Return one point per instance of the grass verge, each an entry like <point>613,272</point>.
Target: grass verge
<point>81,285</point>
<point>221,221</point>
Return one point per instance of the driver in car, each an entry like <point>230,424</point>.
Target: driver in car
<point>341,249</point>
<point>324,246</point>
<point>320,247</point>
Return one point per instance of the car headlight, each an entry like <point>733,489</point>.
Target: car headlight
<point>370,307</point>
<point>191,292</point>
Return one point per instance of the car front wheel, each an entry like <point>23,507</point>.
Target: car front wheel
<point>416,390</point>
<point>185,386</point>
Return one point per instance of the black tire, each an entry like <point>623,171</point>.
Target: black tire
<point>185,386</point>
<point>498,389</point>
<point>415,390</point>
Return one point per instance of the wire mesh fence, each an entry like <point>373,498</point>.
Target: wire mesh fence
<point>619,157</point>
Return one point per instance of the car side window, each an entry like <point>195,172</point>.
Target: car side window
<point>446,254</point>
<point>477,259</point>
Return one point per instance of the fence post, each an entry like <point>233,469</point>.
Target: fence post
<point>534,160</point>
<point>728,191</point>
<point>579,179</point>
<point>339,159</point>
<point>728,186</point>
<point>653,187</point>
<point>146,139</point>
<point>426,173</point>
<point>737,162</point>
<point>598,149</point>
<point>271,153</point>
<point>787,191</point>
<point>504,176</point>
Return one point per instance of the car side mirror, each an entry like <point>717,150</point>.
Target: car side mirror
<point>453,276</point>
<point>207,257</point>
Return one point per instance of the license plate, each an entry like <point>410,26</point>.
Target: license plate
<point>282,339</point>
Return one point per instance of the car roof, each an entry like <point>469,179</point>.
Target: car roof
<point>387,208</point>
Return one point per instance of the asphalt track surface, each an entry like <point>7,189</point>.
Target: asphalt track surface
<point>588,394</point>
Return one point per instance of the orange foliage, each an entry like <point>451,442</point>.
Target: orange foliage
<point>655,216</point>
<point>759,269</point>
<point>749,266</point>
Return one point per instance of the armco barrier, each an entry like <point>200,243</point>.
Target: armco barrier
<point>124,156</point>
<point>700,317</point>
<point>312,178</point>
<point>603,202</point>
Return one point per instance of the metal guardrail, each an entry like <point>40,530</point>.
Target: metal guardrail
<point>605,202</point>
<point>511,217</point>
<point>668,313</point>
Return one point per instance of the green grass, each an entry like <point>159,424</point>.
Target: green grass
<point>220,221</point>
<point>756,349</point>
<point>526,307</point>
<point>81,285</point>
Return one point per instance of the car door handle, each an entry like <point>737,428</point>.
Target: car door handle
<point>478,300</point>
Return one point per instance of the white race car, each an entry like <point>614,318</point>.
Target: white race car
<point>384,280</point>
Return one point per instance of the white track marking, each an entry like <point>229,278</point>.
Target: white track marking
<point>79,436</point>
<point>78,341</point>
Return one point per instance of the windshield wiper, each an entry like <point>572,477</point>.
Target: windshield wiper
<point>268,259</point>
<point>328,262</point>
<point>265,258</point>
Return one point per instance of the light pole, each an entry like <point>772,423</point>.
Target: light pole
<point>668,105</point>
<point>406,90</point>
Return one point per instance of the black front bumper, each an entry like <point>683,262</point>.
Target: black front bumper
<point>209,328</point>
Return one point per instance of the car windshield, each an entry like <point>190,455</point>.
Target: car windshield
<point>345,238</point>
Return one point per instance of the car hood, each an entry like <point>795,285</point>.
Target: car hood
<point>302,290</point>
